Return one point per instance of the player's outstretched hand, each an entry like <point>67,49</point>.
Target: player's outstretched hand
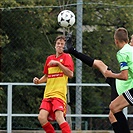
<point>68,46</point>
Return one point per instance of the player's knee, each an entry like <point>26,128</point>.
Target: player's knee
<point>59,116</point>
<point>42,119</point>
<point>112,107</point>
<point>39,117</point>
<point>96,63</point>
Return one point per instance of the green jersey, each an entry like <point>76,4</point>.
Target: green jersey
<point>125,58</point>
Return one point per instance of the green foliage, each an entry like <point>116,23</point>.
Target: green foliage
<point>27,33</point>
<point>3,102</point>
<point>2,99</point>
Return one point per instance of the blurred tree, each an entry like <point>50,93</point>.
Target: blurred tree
<point>27,33</point>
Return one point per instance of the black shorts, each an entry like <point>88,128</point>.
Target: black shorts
<point>112,83</point>
<point>129,96</point>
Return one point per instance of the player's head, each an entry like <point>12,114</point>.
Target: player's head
<point>59,44</point>
<point>131,41</point>
<point>121,36</point>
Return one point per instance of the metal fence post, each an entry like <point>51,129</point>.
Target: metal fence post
<point>79,65</point>
<point>9,109</point>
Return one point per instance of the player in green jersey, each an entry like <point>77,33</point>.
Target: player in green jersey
<point>117,127</point>
<point>124,79</point>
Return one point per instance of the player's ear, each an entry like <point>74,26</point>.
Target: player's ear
<point>115,41</point>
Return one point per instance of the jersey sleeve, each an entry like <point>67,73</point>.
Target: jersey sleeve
<point>122,59</point>
<point>45,70</point>
<point>69,62</point>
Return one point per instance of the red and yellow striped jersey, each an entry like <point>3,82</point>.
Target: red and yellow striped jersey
<point>56,85</point>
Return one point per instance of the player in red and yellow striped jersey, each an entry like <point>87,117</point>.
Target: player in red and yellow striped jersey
<point>57,69</point>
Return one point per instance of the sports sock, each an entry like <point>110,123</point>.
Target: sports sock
<point>122,122</point>
<point>84,58</point>
<point>116,127</point>
<point>48,128</point>
<point>70,49</point>
<point>65,128</point>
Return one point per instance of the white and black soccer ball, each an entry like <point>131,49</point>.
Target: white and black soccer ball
<point>66,18</point>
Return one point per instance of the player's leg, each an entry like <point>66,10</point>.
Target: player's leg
<point>122,101</point>
<point>117,106</point>
<point>70,49</point>
<point>84,58</point>
<point>115,125</point>
<point>65,128</point>
<point>59,107</point>
<point>112,118</point>
<point>122,121</point>
<point>101,66</point>
<point>43,117</point>
<point>114,94</point>
<point>89,60</point>
<point>46,125</point>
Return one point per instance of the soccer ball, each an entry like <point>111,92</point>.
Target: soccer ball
<point>66,18</point>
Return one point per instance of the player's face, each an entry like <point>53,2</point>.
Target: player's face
<point>131,42</point>
<point>60,43</point>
